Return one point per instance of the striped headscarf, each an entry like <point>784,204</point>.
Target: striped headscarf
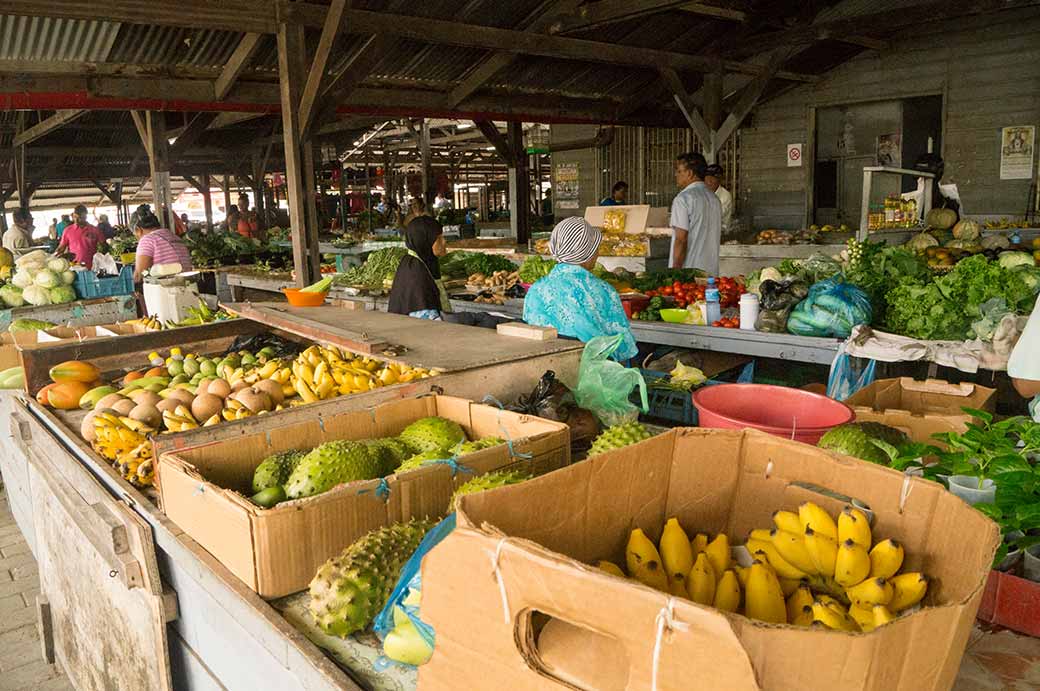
<point>574,241</point>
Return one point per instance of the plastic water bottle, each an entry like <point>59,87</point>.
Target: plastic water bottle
<point>712,311</point>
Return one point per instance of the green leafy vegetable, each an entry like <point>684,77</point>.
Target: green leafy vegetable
<point>920,310</point>
<point>380,267</point>
<point>535,267</point>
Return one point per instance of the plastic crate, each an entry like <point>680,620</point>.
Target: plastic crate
<point>88,285</point>
<point>677,406</point>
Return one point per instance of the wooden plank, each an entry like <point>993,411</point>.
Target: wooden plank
<point>142,130</point>
<point>713,11</point>
<point>54,122</point>
<point>442,31</point>
<point>190,134</point>
<point>607,12</point>
<point>682,99</point>
<point>357,341</point>
<point>750,95</point>
<point>316,75</point>
<point>236,64</point>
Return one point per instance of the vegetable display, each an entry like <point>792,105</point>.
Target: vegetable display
<point>535,267</point>
<point>377,272</point>
<point>39,279</point>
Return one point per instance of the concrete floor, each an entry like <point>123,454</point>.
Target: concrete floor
<point>994,660</point>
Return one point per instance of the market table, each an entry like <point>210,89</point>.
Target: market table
<point>160,598</point>
<point>108,310</point>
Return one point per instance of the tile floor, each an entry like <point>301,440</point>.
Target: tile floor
<point>994,661</point>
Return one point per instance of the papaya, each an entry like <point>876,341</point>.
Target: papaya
<point>156,372</point>
<point>66,395</point>
<point>42,396</point>
<point>132,376</point>
<point>75,371</point>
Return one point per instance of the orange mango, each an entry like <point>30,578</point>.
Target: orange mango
<point>43,394</point>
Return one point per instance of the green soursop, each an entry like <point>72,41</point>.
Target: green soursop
<point>417,461</point>
<point>617,436</point>
<point>854,439</point>
<point>333,463</point>
<point>478,445</point>
<point>391,451</point>
<point>275,470</point>
<point>433,434</point>
<point>497,478</point>
<point>348,591</point>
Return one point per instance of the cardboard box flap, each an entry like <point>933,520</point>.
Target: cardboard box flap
<point>964,389</point>
<point>536,579</point>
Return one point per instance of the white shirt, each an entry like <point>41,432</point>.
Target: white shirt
<point>726,199</point>
<point>1024,362</point>
<point>699,212</point>
<point>17,239</point>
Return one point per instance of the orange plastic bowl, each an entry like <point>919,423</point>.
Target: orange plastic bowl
<point>298,298</point>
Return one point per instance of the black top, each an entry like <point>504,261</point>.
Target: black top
<point>414,286</point>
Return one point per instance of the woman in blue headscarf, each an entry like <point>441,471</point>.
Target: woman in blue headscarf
<point>570,298</point>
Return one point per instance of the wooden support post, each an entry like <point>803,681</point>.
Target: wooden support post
<point>259,164</point>
<point>519,185</point>
<point>427,169</point>
<point>342,197</point>
<point>207,201</point>
<point>225,186</point>
<point>152,128</point>
<point>299,159</point>
<point>712,112</point>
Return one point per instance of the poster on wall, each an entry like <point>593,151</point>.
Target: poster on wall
<point>890,150</point>
<point>1016,152</point>
<point>566,192</point>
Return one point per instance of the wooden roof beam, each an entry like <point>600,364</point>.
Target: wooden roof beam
<point>605,12</point>
<point>54,122</point>
<point>497,140</point>
<point>319,65</point>
<point>190,134</point>
<point>226,15</point>
<point>236,64</point>
<point>713,11</point>
<point>682,99</point>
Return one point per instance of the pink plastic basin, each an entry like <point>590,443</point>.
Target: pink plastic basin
<point>778,410</point>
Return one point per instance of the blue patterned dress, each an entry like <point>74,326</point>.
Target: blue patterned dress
<point>579,305</point>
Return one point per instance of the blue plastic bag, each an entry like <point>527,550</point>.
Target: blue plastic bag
<point>849,375</point>
<point>604,386</point>
<point>832,308</point>
<point>409,580</point>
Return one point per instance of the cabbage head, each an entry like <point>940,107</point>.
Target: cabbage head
<point>57,265</point>
<point>22,279</point>
<point>61,294</point>
<point>36,295</point>
<point>68,277</point>
<point>46,279</point>
<point>1010,260</point>
<point>12,296</point>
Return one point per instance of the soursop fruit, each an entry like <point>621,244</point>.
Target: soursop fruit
<point>274,471</point>
<point>391,451</point>
<point>497,478</point>
<point>478,445</point>
<point>618,436</point>
<point>854,439</point>
<point>333,463</point>
<point>348,591</point>
<point>417,461</point>
<point>433,434</point>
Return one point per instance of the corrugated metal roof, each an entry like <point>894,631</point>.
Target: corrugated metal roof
<point>39,38</point>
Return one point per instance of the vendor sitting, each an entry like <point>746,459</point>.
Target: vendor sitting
<point>417,290</point>
<point>570,298</point>
<point>157,245</point>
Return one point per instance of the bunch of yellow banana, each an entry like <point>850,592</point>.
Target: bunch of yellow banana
<point>150,323</point>
<point>116,435</point>
<point>807,570</point>
<point>233,410</point>
<point>319,373</point>
<point>137,466</point>
<point>272,369</point>
<point>179,419</point>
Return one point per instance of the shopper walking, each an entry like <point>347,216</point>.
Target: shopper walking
<point>81,239</point>
<point>570,298</point>
<point>59,229</point>
<point>696,218</point>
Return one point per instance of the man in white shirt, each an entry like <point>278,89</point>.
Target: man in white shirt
<point>1024,365</point>
<point>18,237</point>
<point>696,218</point>
<point>713,179</point>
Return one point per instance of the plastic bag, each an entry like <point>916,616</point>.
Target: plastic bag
<point>409,581</point>
<point>849,375</point>
<point>782,295</point>
<point>832,308</point>
<point>772,321</point>
<point>604,385</point>
<point>614,221</point>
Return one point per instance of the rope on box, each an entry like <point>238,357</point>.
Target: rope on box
<point>524,456</point>
<point>666,624</point>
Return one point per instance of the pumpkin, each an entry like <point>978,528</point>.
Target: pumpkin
<point>995,242</point>
<point>921,242</point>
<point>966,230</point>
<point>943,219</point>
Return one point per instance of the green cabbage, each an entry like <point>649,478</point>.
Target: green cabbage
<point>36,295</point>
<point>12,296</point>
<point>46,279</point>
<point>68,277</point>
<point>22,279</point>
<point>61,294</point>
<point>57,265</point>
<point>1010,260</point>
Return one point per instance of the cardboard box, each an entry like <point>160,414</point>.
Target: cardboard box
<point>121,329</point>
<point>920,409</point>
<point>63,333</point>
<point>544,534</point>
<point>277,551</point>
<point>9,343</point>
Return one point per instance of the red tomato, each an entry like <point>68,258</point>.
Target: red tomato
<point>716,323</point>
<point>651,293</point>
<point>667,290</point>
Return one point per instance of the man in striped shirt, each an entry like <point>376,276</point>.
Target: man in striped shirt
<point>157,245</point>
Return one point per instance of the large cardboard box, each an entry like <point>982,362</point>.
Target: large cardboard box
<point>523,552</point>
<point>920,408</point>
<point>277,551</point>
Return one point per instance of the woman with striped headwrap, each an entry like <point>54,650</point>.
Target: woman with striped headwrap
<point>570,298</point>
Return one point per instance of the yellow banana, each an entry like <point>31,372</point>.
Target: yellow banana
<point>321,371</point>
<point>886,558</point>
<point>797,601</point>
<point>759,534</point>
<point>228,414</point>
<point>611,568</point>
<point>863,616</point>
<point>813,516</point>
<point>782,567</point>
<point>804,617</point>
<point>213,420</point>
<point>742,575</point>
<point>676,553</point>
<point>698,543</point>
<point>718,553</point>
<point>882,616</point>
<point>325,387</point>
<point>852,564</point>
<point>727,592</point>
<point>763,599</point>
<point>832,618</point>
<point>182,411</point>
<point>873,591</point>
<point>907,590</point>
<point>791,547</point>
<point>702,580</point>
<point>823,550</point>
<point>268,370</point>
<point>789,585</point>
<point>644,562</point>
<point>789,521</point>
<point>854,525</point>
<point>305,391</point>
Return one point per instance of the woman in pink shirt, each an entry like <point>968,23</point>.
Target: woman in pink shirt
<point>81,239</point>
<point>157,245</point>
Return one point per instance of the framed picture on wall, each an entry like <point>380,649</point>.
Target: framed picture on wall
<point>890,150</point>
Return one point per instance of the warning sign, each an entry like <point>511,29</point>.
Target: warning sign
<point>794,155</point>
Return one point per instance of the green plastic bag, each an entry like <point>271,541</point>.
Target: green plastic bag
<point>604,386</point>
